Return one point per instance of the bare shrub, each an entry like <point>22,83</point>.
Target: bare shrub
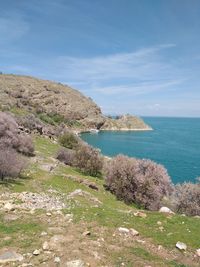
<point>140,181</point>
<point>11,164</point>
<point>187,198</point>
<point>10,137</point>
<point>66,156</point>
<point>68,140</point>
<point>8,126</point>
<point>25,145</point>
<point>30,122</point>
<point>88,160</point>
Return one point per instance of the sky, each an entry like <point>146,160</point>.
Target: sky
<point>130,56</point>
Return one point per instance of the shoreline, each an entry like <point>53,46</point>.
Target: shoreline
<point>77,132</point>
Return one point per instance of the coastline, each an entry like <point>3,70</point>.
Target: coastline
<point>77,132</point>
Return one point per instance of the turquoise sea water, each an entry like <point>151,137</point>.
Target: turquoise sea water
<point>174,142</point>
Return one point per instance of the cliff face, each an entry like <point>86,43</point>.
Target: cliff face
<point>126,123</point>
<point>50,98</point>
<point>55,103</point>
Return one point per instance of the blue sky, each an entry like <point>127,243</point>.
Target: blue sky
<point>130,56</point>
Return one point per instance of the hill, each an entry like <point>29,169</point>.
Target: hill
<point>55,103</point>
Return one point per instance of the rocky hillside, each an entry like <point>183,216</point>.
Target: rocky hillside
<point>55,103</point>
<point>125,123</point>
<point>50,98</point>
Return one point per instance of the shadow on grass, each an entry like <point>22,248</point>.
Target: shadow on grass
<point>9,182</point>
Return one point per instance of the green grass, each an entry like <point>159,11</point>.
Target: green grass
<point>23,233</point>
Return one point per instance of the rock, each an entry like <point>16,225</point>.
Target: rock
<point>140,214</point>
<point>133,232</point>
<point>43,233</point>
<point>57,260</point>
<point>123,230</point>
<point>181,245</point>
<point>159,223</point>
<point>48,214</point>
<point>45,246</point>
<point>36,252</point>
<point>86,233</point>
<point>75,263</point>
<point>198,252</point>
<point>10,256</point>
<point>8,206</point>
<point>166,210</point>
<point>127,231</point>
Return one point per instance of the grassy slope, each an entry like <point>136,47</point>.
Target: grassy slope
<point>109,216</point>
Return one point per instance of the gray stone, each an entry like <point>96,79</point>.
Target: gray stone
<point>45,246</point>
<point>10,256</point>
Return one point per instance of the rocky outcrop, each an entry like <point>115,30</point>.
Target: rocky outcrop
<point>125,123</point>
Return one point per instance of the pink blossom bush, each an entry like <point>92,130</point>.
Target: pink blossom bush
<point>137,181</point>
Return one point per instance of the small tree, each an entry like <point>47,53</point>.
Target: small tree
<point>68,140</point>
<point>66,156</point>
<point>88,160</point>
<point>10,137</point>
<point>140,181</point>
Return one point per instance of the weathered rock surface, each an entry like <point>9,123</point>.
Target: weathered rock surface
<point>125,123</point>
<point>10,256</point>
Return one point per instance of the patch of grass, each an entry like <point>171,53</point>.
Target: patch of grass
<point>45,146</point>
<point>144,254</point>
<point>19,111</point>
<point>23,233</point>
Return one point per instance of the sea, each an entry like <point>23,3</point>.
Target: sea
<point>174,143</point>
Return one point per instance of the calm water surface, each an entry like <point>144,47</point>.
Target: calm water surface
<point>174,142</point>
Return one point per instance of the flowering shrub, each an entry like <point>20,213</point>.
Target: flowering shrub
<point>187,198</point>
<point>137,181</point>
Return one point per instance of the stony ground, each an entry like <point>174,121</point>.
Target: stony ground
<point>55,216</point>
